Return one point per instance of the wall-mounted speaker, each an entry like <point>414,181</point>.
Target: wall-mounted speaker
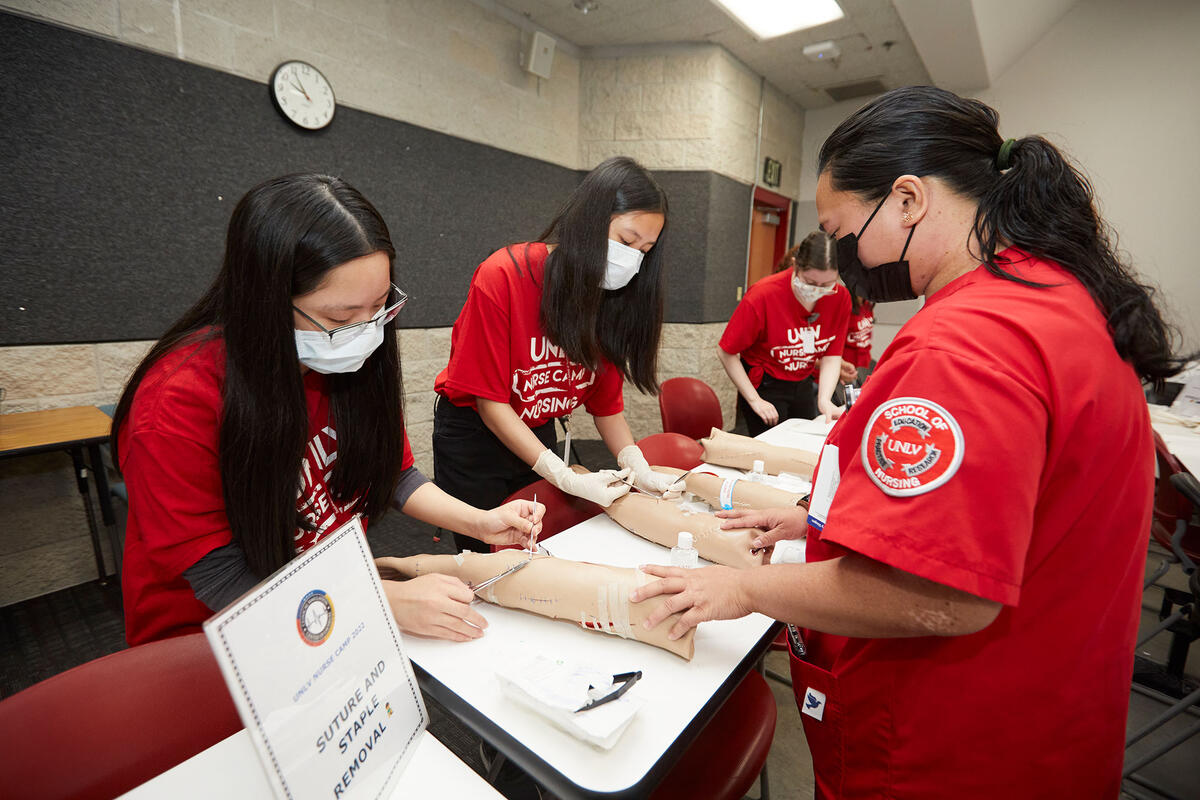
<point>540,56</point>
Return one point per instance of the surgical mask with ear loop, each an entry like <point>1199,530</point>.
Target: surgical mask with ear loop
<point>320,354</point>
<point>623,263</point>
<point>807,293</point>
<point>882,284</point>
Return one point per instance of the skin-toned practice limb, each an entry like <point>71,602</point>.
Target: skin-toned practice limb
<point>661,520</point>
<point>848,596</point>
<point>592,596</point>
<point>746,494</point>
<point>732,450</point>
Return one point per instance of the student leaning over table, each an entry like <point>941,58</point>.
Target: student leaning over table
<point>551,325</point>
<point>969,610</point>
<point>789,326</point>
<point>270,414</point>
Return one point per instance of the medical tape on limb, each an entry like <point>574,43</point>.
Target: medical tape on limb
<point>727,494</point>
<point>612,611</point>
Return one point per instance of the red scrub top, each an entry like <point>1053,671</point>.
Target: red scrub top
<point>777,336</point>
<point>499,352</point>
<point>169,448</point>
<point>1003,448</point>
<point>858,335</point>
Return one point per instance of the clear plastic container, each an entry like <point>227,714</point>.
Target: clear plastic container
<point>683,554</point>
<point>757,473</point>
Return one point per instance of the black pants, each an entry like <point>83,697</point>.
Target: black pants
<point>470,463</point>
<point>792,399</point>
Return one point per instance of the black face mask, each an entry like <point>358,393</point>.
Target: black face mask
<point>883,284</point>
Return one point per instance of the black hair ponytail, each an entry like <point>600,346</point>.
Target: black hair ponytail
<point>1029,195</point>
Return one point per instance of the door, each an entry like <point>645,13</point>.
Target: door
<point>768,234</point>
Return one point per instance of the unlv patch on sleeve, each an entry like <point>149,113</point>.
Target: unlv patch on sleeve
<point>911,446</point>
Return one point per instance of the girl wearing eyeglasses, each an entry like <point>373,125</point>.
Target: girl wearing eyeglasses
<point>549,326</point>
<point>270,414</point>
<point>788,327</point>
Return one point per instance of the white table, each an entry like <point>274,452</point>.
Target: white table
<point>681,697</point>
<point>231,769</point>
<point>1182,440</point>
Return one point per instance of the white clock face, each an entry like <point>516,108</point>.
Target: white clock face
<point>303,95</point>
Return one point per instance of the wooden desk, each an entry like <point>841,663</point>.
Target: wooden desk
<point>69,430</point>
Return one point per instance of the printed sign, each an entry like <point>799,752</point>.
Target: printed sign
<point>318,672</point>
<point>911,446</point>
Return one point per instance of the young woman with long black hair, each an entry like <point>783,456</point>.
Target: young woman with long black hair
<point>550,325</point>
<point>789,326</point>
<point>965,624</point>
<point>270,413</point>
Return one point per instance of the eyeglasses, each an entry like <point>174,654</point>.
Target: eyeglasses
<point>396,300</point>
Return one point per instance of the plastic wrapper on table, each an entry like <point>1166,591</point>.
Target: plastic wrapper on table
<point>592,596</point>
<point>732,450</point>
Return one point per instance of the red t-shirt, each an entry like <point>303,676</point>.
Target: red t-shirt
<point>858,335</point>
<point>169,458</point>
<point>499,352</point>
<point>776,335</point>
<point>1002,448</point>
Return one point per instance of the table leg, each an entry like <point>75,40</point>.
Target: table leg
<point>106,508</point>
<point>85,493</point>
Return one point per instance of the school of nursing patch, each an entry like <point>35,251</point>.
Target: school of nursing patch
<point>911,446</point>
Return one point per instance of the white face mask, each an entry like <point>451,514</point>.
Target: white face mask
<point>623,263</point>
<point>319,354</point>
<point>808,294</point>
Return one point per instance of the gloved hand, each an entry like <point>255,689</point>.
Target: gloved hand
<point>646,479</point>
<point>600,487</point>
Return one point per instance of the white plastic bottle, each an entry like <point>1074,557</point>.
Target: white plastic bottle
<point>683,554</point>
<point>757,473</point>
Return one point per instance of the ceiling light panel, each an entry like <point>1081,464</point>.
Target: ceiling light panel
<point>767,19</point>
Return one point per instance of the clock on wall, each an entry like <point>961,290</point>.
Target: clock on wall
<point>303,95</point>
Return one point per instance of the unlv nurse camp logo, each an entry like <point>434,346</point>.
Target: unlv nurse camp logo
<point>911,446</point>
<point>314,618</point>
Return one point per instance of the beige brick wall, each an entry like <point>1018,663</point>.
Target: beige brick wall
<point>447,65</point>
<point>693,107</point>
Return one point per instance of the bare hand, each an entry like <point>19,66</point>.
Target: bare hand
<point>512,523</point>
<point>777,524</point>
<point>828,410</point>
<point>849,372</point>
<point>766,411</point>
<point>699,594</point>
<point>437,606</point>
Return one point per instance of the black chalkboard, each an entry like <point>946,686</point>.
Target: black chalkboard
<point>121,168</point>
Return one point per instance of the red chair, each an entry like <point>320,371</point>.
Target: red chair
<point>689,406</point>
<point>730,752</point>
<point>672,450</point>
<point>562,510</point>
<point>107,726</point>
<point>1171,508</point>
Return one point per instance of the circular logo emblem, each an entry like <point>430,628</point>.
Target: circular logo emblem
<point>314,618</point>
<point>911,446</point>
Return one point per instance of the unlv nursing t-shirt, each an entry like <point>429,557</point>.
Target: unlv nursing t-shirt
<point>499,352</point>
<point>777,336</point>
<point>1002,448</point>
<point>170,460</point>
<point>858,335</point>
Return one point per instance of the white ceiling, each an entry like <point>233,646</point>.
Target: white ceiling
<point>946,46</point>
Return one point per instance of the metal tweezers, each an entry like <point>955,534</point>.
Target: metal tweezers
<point>626,679</point>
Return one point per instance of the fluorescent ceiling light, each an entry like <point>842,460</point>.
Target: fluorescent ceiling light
<point>766,19</point>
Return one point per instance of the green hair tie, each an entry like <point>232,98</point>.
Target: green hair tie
<point>1002,158</point>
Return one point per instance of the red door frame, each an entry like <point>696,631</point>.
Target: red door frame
<point>784,204</point>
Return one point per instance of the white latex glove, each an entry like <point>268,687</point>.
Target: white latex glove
<point>646,479</point>
<point>600,487</point>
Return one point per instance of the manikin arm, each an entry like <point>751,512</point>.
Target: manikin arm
<point>745,494</point>
<point>592,596</point>
<point>732,450</point>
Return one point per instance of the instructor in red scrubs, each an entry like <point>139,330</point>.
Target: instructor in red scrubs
<point>976,538</point>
